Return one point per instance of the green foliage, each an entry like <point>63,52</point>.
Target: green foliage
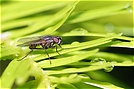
<point>97,25</point>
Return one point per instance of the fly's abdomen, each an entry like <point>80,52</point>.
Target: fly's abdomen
<point>34,45</point>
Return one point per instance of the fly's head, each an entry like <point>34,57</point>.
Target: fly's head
<point>57,40</point>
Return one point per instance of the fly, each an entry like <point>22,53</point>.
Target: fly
<point>44,41</point>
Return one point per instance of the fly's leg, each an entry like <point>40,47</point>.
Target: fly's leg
<point>44,47</point>
<point>57,50</point>
<point>48,55</point>
<point>61,47</point>
<point>29,53</point>
<point>26,55</point>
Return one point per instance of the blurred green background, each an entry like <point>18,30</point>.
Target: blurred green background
<point>80,24</point>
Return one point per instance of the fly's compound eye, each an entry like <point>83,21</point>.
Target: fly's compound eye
<point>57,40</point>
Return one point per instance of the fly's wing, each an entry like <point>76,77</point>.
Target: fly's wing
<point>25,44</point>
<point>27,41</point>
